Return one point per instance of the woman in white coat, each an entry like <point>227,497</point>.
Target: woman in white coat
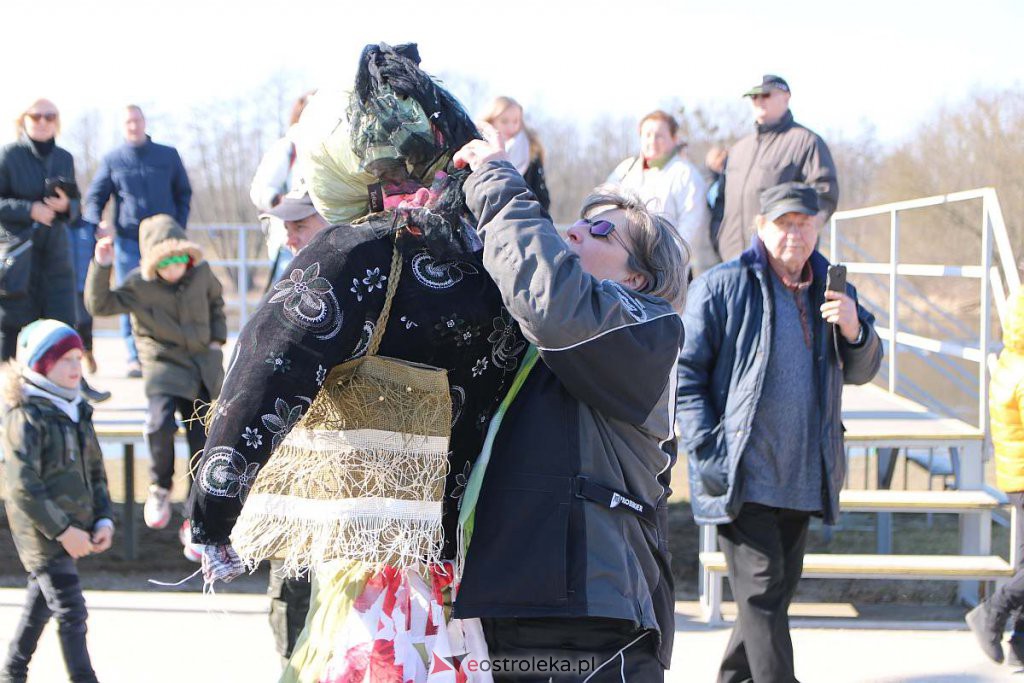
<point>670,184</point>
<point>276,176</point>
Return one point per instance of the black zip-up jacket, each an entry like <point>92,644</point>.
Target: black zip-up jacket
<point>23,175</point>
<point>728,322</point>
<point>779,153</point>
<point>572,517</point>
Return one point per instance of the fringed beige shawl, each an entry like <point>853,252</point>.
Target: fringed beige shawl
<point>361,476</point>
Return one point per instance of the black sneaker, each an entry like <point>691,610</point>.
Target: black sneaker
<point>990,638</point>
<point>134,369</point>
<point>93,395</point>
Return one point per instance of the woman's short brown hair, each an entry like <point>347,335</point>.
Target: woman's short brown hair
<point>664,116</point>
<point>656,249</point>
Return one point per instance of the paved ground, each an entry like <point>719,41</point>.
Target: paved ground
<point>161,637</point>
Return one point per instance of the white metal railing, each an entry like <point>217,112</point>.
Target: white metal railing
<point>241,261</point>
<point>993,285</point>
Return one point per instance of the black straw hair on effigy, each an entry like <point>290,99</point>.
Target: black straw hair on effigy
<point>398,67</point>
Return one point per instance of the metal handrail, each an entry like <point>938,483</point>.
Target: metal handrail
<point>993,235</point>
<point>242,262</point>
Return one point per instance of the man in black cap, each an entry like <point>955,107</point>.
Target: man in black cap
<point>766,353</point>
<point>779,150</point>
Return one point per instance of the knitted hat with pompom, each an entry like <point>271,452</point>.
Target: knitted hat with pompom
<point>42,343</point>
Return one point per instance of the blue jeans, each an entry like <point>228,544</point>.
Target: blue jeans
<point>52,591</point>
<point>126,259</point>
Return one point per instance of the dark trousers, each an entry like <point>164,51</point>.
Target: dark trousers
<point>1008,601</point>
<point>161,428</point>
<point>289,604</point>
<point>609,650</point>
<point>52,591</point>
<point>764,550</point>
<point>8,342</point>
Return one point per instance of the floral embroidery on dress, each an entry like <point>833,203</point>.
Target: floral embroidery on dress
<point>458,402</point>
<point>409,324</point>
<point>364,339</point>
<point>309,302</point>
<point>252,437</point>
<point>321,375</point>
<point>480,367</point>
<point>284,417</point>
<point>453,328</point>
<point>506,342</point>
<point>373,280</point>
<point>356,289</point>
<point>443,275</point>
<point>461,481</point>
<point>227,474</point>
<point>279,363</point>
<point>629,301</point>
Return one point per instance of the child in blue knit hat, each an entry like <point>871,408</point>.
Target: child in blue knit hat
<point>56,494</point>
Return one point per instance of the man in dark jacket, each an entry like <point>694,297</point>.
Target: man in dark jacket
<point>568,555</point>
<point>146,179</point>
<point>780,150</point>
<point>761,376</point>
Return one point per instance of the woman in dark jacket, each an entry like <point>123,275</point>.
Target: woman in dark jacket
<point>26,213</point>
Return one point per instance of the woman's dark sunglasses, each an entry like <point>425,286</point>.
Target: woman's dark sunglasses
<point>597,228</point>
<point>49,116</point>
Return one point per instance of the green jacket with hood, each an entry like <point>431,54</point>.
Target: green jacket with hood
<point>54,476</point>
<point>174,324</point>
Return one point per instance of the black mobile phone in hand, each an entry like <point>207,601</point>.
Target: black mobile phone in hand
<point>836,280</point>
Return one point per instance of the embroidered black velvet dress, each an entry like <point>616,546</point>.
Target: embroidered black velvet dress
<point>446,313</point>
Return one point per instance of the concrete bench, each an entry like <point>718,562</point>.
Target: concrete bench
<point>858,500</point>
<point>979,566</point>
<point>127,434</point>
<point>843,566</point>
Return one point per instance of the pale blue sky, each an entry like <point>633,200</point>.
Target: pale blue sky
<point>884,63</point>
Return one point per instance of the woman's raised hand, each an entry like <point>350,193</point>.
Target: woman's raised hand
<point>476,153</point>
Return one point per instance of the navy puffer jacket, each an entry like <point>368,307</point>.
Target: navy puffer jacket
<point>722,366</point>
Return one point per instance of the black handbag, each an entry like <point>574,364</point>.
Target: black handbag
<point>15,267</point>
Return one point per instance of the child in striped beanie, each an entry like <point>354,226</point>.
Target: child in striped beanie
<point>43,350</point>
<point>56,497</point>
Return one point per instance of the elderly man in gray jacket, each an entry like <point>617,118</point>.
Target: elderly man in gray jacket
<point>568,556</point>
<point>780,150</point>
<point>767,350</point>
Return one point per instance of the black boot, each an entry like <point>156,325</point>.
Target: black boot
<point>1015,655</point>
<point>93,395</point>
<point>988,629</point>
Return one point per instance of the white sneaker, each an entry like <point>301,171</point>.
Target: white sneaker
<point>157,511</point>
<point>192,552</point>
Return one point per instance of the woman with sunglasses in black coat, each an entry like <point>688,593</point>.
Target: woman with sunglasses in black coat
<point>37,200</point>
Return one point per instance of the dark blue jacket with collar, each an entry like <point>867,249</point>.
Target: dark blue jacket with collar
<point>722,366</point>
<point>144,180</point>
